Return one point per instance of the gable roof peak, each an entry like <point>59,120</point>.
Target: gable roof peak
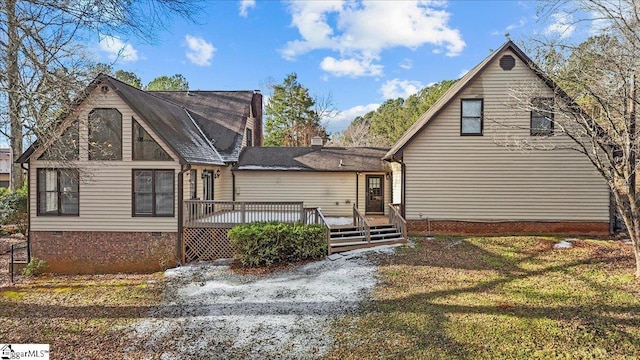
<point>457,88</point>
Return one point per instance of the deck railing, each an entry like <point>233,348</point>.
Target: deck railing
<point>361,223</point>
<point>315,216</point>
<point>217,213</point>
<point>397,220</point>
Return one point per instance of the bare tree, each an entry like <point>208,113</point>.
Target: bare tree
<point>43,64</point>
<point>596,99</point>
<point>357,134</point>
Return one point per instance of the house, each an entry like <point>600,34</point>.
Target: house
<point>5,167</point>
<point>331,178</point>
<point>459,175</point>
<point>106,189</point>
<point>111,186</point>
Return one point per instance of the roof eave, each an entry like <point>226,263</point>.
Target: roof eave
<point>26,156</point>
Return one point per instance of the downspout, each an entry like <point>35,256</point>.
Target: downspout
<point>403,172</point>
<point>233,185</point>
<point>357,189</point>
<point>181,209</point>
<point>28,210</point>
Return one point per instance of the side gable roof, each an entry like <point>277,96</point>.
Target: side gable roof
<point>203,127</point>
<point>457,88</point>
<point>312,159</point>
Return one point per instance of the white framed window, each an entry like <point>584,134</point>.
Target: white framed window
<point>471,121</point>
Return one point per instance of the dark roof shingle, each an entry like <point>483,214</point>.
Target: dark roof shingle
<point>171,122</point>
<point>201,127</point>
<point>222,115</point>
<point>312,159</point>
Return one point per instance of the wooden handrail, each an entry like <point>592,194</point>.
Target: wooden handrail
<point>397,220</point>
<point>361,222</point>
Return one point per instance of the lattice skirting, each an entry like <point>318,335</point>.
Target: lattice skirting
<point>205,244</point>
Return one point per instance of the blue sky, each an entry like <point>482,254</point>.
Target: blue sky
<point>360,53</point>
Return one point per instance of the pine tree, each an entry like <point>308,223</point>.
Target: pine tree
<point>291,117</point>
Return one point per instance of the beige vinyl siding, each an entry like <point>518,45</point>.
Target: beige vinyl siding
<point>249,126</point>
<point>223,186</point>
<point>186,183</point>
<point>333,192</point>
<point>362,190</point>
<point>455,177</point>
<point>105,186</point>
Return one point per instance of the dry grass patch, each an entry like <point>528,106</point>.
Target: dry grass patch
<point>81,317</point>
<point>499,297</point>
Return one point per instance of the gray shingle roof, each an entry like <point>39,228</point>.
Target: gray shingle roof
<point>222,115</point>
<point>201,127</point>
<point>312,159</point>
<point>171,122</point>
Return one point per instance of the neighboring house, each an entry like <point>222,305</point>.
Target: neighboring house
<point>458,177</point>
<point>106,188</point>
<point>5,167</point>
<point>331,178</point>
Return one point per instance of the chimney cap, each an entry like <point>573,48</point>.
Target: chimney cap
<point>316,142</point>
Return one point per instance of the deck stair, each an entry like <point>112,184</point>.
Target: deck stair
<point>344,238</point>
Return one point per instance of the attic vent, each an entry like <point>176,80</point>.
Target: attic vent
<point>507,62</point>
<point>104,89</point>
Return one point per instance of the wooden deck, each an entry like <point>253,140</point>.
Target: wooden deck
<point>207,222</point>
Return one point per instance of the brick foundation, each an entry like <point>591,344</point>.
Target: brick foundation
<point>507,227</point>
<point>88,252</point>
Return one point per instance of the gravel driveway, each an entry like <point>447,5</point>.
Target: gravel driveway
<point>214,313</point>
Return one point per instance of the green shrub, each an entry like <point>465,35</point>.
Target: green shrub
<point>264,244</point>
<point>13,208</point>
<point>35,267</point>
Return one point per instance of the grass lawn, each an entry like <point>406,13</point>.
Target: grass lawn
<point>81,317</point>
<point>499,298</point>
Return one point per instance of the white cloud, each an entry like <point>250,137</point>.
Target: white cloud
<point>245,5</point>
<point>396,88</point>
<point>350,67</point>
<point>116,49</point>
<point>522,22</point>
<point>200,52</point>
<point>562,25</point>
<point>406,64</point>
<point>345,117</point>
<point>362,30</point>
<point>462,73</point>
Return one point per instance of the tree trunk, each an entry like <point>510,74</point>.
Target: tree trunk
<point>636,250</point>
<point>633,228</point>
<point>13,92</point>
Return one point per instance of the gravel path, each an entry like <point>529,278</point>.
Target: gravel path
<point>215,313</point>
